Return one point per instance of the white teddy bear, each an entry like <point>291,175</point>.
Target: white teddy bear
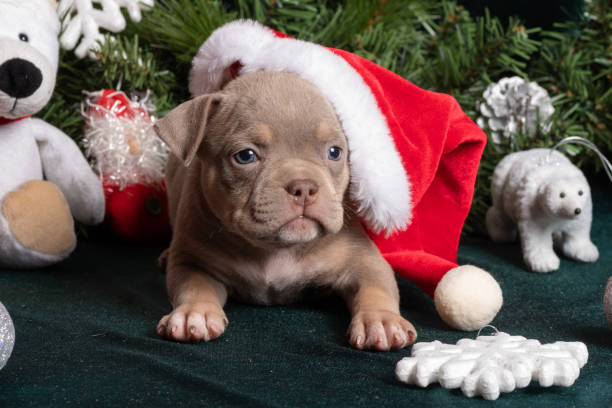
<point>548,198</point>
<point>36,225</point>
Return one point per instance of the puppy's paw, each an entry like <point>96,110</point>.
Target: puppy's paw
<point>193,322</point>
<point>380,330</point>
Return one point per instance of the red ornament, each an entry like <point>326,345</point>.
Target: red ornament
<point>139,212</point>
<point>118,136</point>
<point>117,103</point>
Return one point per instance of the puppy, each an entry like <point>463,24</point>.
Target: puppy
<point>257,187</point>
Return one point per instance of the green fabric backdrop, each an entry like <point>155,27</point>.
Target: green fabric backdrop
<point>85,337</point>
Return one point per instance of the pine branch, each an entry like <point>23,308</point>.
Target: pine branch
<point>435,44</point>
<point>64,115</point>
<point>576,66</point>
<point>122,64</point>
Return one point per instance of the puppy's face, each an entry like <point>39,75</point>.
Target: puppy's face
<point>274,165</point>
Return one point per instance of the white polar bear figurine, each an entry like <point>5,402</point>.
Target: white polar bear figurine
<point>36,225</point>
<point>548,198</point>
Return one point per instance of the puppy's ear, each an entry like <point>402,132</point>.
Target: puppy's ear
<point>184,127</point>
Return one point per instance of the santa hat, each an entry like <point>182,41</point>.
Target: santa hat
<point>414,156</point>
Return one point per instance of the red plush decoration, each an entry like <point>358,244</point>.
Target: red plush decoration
<point>414,156</point>
<point>131,160</point>
<point>138,212</point>
<point>116,102</point>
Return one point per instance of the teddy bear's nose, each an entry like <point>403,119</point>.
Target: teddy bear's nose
<point>19,78</point>
<point>577,211</point>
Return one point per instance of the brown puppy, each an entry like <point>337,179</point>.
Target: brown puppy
<point>261,212</point>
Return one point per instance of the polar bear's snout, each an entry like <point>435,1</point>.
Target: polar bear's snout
<point>19,78</point>
<point>566,198</point>
<point>27,78</point>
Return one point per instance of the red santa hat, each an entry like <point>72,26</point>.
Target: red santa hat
<point>414,154</point>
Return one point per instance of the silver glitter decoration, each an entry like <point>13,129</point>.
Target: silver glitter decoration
<point>7,336</point>
<point>513,106</point>
<point>124,148</point>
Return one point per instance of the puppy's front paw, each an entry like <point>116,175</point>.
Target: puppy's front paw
<point>193,322</point>
<point>380,330</point>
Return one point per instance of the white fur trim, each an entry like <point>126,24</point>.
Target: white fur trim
<point>379,182</point>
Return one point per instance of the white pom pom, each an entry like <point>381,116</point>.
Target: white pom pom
<point>468,298</point>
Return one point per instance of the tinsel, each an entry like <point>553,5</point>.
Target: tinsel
<point>7,336</point>
<point>120,140</point>
<point>514,106</point>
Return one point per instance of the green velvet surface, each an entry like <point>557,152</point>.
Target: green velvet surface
<point>85,337</point>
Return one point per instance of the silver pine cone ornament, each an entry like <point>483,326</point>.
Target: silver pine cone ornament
<point>514,106</point>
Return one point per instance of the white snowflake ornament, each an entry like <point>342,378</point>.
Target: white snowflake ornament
<point>494,364</point>
<point>84,18</point>
<point>513,105</point>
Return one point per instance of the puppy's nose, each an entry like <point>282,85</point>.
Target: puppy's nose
<point>577,211</point>
<point>304,192</point>
<point>19,78</point>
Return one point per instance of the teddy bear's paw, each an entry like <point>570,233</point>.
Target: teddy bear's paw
<point>193,322</point>
<point>380,330</point>
<point>582,250</point>
<point>542,261</point>
<point>500,227</point>
<point>39,218</point>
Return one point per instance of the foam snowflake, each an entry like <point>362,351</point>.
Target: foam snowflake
<point>86,17</point>
<point>490,365</point>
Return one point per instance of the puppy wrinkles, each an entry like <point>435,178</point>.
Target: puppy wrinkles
<point>265,225</point>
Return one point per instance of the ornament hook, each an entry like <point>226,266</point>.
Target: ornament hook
<point>488,325</point>
<point>587,143</point>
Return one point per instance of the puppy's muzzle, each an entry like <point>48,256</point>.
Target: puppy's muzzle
<point>302,192</point>
<point>19,78</point>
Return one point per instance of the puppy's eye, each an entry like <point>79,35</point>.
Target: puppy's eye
<point>245,156</point>
<point>24,37</point>
<point>580,192</point>
<point>334,153</point>
<point>562,195</point>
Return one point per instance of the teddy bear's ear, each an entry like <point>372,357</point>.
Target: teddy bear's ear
<point>53,3</point>
<point>184,127</point>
